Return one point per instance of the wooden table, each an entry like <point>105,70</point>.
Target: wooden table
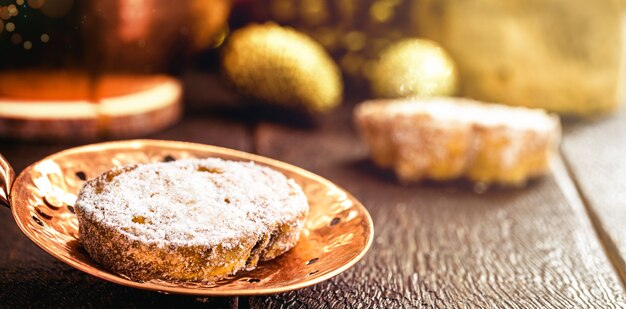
<point>559,242</point>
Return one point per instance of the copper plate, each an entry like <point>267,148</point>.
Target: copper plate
<point>337,232</point>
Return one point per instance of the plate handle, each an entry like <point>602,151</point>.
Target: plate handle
<point>7,175</point>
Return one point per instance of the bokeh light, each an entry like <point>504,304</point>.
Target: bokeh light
<point>12,10</point>
<point>382,11</point>
<point>354,40</point>
<point>4,13</point>
<point>10,27</point>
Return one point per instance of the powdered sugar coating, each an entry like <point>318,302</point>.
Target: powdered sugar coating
<point>446,138</point>
<point>202,202</point>
<point>459,111</point>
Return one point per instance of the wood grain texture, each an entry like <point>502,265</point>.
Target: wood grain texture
<point>596,155</point>
<point>29,277</point>
<point>443,245</point>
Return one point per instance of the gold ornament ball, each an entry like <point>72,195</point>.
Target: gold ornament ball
<point>281,66</point>
<point>413,67</point>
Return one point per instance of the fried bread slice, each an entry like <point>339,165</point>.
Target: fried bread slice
<point>445,138</point>
<point>189,220</point>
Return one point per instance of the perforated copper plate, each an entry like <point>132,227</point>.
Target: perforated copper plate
<point>337,232</point>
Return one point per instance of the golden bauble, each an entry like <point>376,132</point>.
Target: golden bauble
<point>281,66</point>
<point>413,67</point>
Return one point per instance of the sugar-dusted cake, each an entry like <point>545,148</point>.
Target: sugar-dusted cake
<point>445,138</point>
<point>189,220</point>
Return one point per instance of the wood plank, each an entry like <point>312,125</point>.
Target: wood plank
<point>595,152</point>
<point>444,245</point>
<point>29,277</point>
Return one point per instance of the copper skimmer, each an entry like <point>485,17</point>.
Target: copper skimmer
<point>337,232</point>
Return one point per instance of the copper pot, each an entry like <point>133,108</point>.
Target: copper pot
<point>139,36</point>
<point>92,69</point>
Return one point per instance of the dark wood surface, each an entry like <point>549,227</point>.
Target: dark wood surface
<point>436,245</point>
<point>596,155</point>
<point>446,245</point>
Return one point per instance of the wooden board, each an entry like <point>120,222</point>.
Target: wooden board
<point>61,106</point>
<point>596,154</point>
<point>445,245</point>
<point>29,277</point>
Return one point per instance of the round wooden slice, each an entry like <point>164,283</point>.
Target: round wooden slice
<point>72,106</point>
